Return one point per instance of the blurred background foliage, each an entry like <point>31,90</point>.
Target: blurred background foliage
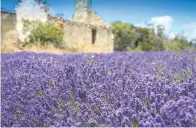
<point>127,37</point>
<point>131,38</point>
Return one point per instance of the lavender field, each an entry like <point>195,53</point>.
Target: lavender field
<point>149,89</point>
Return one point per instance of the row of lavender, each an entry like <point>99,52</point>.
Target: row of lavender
<point>119,89</point>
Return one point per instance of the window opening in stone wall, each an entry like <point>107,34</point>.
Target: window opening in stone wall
<point>94,34</point>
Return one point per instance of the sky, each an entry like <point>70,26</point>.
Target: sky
<point>174,15</point>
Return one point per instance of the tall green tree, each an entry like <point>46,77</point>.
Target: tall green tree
<point>131,38</point>
<point>123,33</point>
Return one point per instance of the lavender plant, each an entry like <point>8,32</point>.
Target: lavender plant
<point>98,90</point>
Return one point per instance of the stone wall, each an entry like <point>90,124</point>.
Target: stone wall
<point>85,14</point>
<point>30,10</point>
<point>78,32</point>
<point>8,23</point>
<point>81,34</point>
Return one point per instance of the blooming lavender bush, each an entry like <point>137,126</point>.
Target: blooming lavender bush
<point>119,89</point>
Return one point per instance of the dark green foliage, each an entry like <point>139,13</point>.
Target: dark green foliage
<point>146,46</point>
<point>131,38</point>
<point>192,43</point>
<point>182,42</point>
<point>124,35</point>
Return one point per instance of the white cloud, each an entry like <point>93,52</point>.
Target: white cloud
<point>172,35</point>
<point>190,31</point>
<point>164,21</point>
<point>142,24</point>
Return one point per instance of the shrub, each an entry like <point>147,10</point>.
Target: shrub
<point>43,33</point>
<point>146,46</point>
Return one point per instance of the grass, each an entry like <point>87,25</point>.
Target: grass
<point>15,47</point>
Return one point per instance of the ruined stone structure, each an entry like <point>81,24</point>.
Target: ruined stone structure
<point>29,10</point>
<point>85,14</point>
<point>85,29</point>
<point>8,22</point>
<point>88,28</point>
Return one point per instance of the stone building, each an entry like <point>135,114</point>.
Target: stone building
<point>29,10</point>
<point>8,22</point>
<point>86,28</point>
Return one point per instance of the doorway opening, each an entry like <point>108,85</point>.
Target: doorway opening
<point>94,34</point>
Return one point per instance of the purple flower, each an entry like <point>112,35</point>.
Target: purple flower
<point>109,90</point>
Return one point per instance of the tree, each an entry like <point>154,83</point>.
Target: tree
<point>122,35</point>
<point>149,41</point>
<point>131,38</point>
<point>192,43</point>
<point>183,44</point>
<point>160,31</point>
